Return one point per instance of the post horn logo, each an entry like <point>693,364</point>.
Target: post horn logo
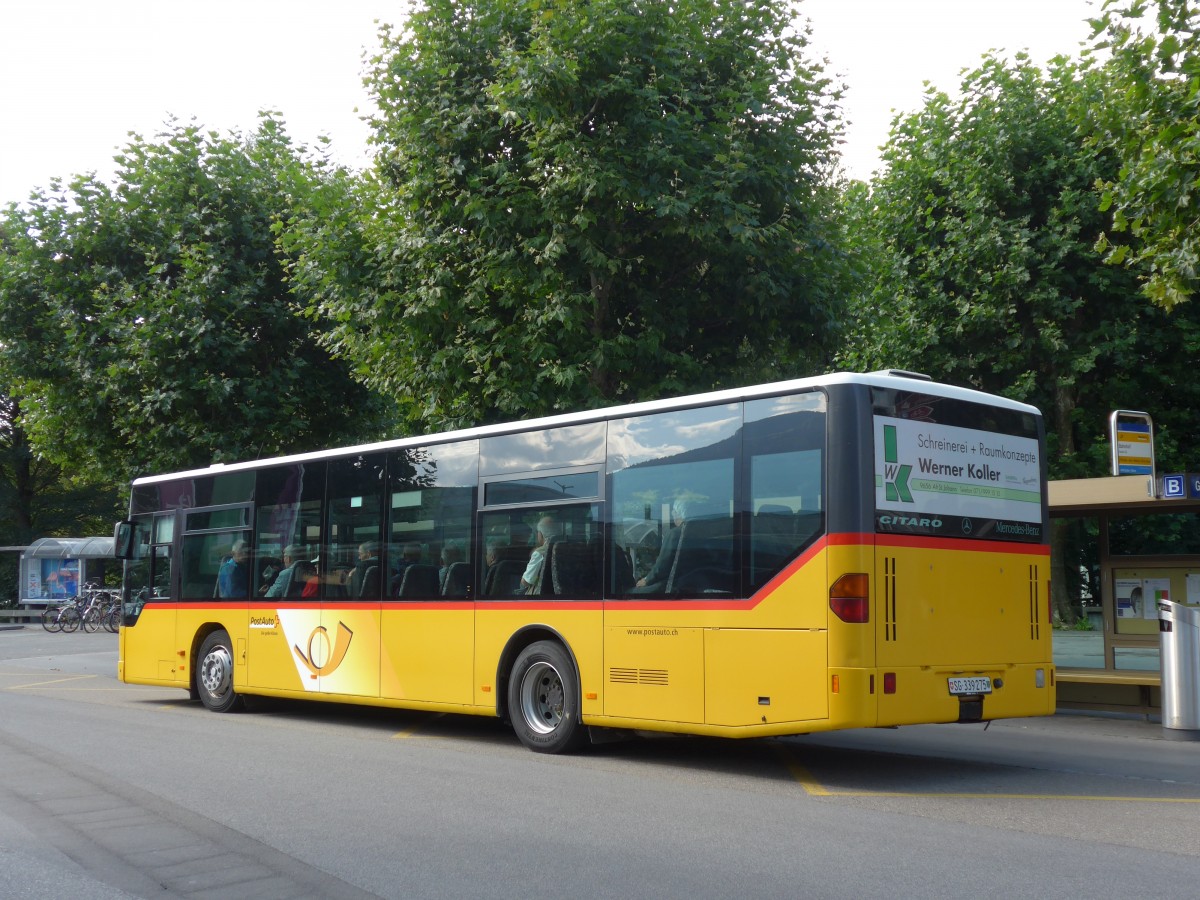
<point>320,661</point>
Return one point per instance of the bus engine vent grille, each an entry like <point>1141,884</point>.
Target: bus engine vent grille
<point>1035,604</point>
<point>889,598</point>
<point>621,675</point>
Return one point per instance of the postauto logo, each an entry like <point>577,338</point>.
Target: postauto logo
<point>895,476</point>
<point>324,656</point>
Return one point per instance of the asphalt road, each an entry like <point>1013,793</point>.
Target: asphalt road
<point>113,791</point>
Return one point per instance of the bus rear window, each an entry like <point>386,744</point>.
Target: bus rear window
<point>954,468</point>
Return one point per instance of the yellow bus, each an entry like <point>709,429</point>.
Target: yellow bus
<point>847,551</point>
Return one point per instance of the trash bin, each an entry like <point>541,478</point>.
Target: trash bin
<point>1179,633</point>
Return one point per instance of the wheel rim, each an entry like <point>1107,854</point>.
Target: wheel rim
<point>216,672</point>
<point>542,697</point>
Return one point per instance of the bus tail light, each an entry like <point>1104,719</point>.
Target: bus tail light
<point>850,598</point>
<point>889,682</point>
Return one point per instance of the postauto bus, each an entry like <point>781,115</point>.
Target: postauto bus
<point>835,552</point>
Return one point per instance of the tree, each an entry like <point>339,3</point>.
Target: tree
<point>148,325</point>
<point>1151,119</point>
<point>578,204</point>
<point>986,220</point>
<point>40,499</point>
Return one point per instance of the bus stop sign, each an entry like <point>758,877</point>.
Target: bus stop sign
<point>1174,487</point>
<point>1132,436</point>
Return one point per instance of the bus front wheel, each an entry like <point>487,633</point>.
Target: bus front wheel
<point>214,673</point>
<point>543,699</point>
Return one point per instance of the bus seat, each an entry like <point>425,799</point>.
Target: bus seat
<point>622,571</point>
<point>420,580</point>
<point>772,541</point>
<point>574,570</point>
<point>504,578</point>
<point>704,544</point>
<point>544,586</point>
<point>458,580</point>
<point>369,585</point>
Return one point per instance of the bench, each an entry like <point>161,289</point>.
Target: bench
<point>1108,690</point>
<point>1109,676</point>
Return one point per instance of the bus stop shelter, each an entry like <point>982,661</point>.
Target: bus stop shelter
<point>1119,546</point>
<point>53,569</point>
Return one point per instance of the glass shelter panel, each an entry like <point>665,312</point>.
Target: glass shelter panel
<point>1076,589</point>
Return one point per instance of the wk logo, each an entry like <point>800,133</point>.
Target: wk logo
<point>320,661</point>
<point>895,476</point>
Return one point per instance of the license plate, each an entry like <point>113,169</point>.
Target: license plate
<point>976,684</point>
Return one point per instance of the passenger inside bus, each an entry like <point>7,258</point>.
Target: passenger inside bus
<point>364,577</point>
<point>283,581</point>
<point>548,530</point>
<point>410,555</point>
<point>306,575</point>
<point>233,578</point>
<point>451,553</point>
<point>655,581</point>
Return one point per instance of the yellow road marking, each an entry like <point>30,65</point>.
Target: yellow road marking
<point>811,786</point>
<point>409,732</point>
<point>18,687</point>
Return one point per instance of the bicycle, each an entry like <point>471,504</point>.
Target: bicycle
<point>70,617</point>
<point>50,618</point>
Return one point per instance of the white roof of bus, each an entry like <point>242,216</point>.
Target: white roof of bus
<point>887,378</point>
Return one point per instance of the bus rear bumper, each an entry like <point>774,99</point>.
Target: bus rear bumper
<point>907,696</point>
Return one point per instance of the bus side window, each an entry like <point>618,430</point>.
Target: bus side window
<point>784,445</point>
<point>658,463</point>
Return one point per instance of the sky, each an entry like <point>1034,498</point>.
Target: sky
<point>77,76</point>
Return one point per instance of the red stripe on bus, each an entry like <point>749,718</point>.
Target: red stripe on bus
<point>962,544</point>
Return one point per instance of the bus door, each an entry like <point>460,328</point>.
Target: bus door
<point>343,651</point>
<point>216,566</point>
<point>429,611</point>
<point>148,625</point>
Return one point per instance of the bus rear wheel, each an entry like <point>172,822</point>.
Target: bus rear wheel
<point>543,699</point>
<point>214,673</point>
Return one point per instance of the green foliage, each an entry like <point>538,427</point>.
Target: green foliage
<point>148,326</point>
<point>984,273</point>
<point>40,499</point>
<point>578,204</point>
<point>1151,119</point>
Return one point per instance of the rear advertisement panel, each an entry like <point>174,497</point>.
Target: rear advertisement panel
<point>953,481</point>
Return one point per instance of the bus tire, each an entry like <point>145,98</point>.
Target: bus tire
<point>214,673</point>
<point>543,699</point>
